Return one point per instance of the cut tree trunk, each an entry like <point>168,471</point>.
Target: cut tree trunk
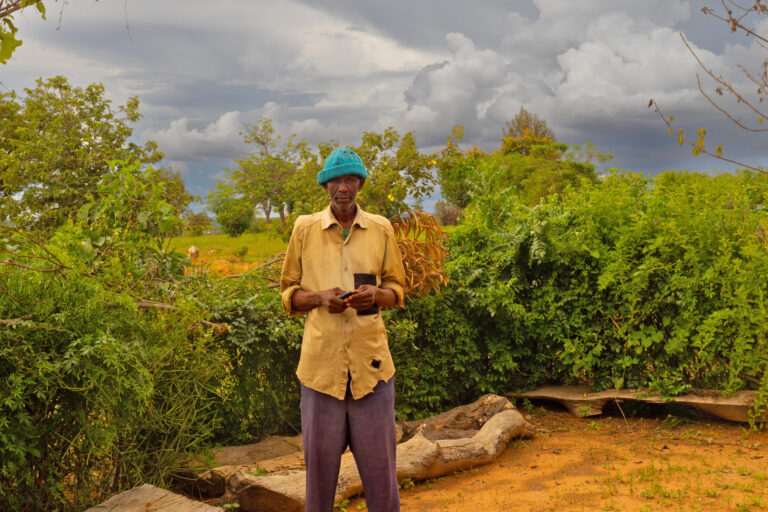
<point>418,458</point>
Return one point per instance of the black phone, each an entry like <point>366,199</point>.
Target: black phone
<point>346,295</point>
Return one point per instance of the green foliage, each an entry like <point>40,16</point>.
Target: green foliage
<point>263,347</point>
<point>196,224</point>
<point>543,170</point>
<point>55,145</point>
<point>264,177</point>
<point>234,212</point>
<point>397,171</point>
<point>8,40</point>
<point>626,283</point>
<point>527,124</point>
<point>100,389</point>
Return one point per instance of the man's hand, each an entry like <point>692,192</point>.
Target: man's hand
<point>367,295</point>
<point>329,299</point>
<point>363,298</point>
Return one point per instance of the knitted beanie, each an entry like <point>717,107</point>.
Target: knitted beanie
<point>339,163</point>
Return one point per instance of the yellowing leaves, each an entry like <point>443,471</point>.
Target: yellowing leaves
<point>421,243</point>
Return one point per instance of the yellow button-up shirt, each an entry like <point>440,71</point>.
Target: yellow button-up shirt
<point>336,346</point>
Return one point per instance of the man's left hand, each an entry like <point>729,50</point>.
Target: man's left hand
<point>363,298</point>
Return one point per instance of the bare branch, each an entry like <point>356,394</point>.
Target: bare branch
<point>691,143</point>
<point>14,321</point>
<point>737,122</point>
<point>8,7</point>
<point>735,22</point>
<point>275,259</point>
<point>151,304</point>
<point>722,81</point>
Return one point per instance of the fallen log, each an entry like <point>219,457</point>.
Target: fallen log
<point>418,458</point>
<point>148,497</point>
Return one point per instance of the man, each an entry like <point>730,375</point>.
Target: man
<point>345,369</point>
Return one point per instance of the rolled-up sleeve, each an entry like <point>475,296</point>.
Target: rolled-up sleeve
<point>290,278</point>
<point>392,272</point>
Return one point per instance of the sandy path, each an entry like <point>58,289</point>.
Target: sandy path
<point>643,464</point>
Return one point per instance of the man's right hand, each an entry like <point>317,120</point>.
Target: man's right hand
<point>330,300</point>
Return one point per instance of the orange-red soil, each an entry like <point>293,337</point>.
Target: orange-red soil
<point>639,464</point>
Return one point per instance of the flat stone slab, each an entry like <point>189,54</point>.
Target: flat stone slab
<point>148,498</point>
<point>581,402</point>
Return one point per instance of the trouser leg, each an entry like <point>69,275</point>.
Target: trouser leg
<point>373,441</point>
<point>324,431</point>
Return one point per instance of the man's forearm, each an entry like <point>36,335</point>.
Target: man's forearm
<point>385,297</point>
<point>304,301</point>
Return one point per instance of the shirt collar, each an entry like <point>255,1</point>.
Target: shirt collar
<point>329,220</point>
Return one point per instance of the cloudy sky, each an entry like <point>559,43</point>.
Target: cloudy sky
<point>331,69</point>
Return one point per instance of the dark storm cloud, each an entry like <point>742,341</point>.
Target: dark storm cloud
<point>424,23</point>
<point>327,69</point>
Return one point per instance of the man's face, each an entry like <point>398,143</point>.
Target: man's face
<point>343,190</point>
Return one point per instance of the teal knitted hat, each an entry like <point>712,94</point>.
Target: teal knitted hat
<point>339,163</point>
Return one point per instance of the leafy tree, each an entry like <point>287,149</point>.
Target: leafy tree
<point>55,145</point>
<point>749,113</point>
<point>455,170</point>
<point>234,213</point>
<point>524,131</point>
<point>196,224</point>
<point>397,171</point>
<point>587,153</point>
<point>541,169</point>
<point>8,41</point>
<point>175,189</point>
<point>262,178</point>
<point>106,384</point>
<point>447,214</point>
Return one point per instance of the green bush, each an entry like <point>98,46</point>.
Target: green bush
<point>626,283</point>
<point>263,347</point>
<point>98,394</point>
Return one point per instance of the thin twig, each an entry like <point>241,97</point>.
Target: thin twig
<point>618,404</point>
<point>685,138</point>
<point>14,321</point>
<point>151,304</point>
<point>722,81</point>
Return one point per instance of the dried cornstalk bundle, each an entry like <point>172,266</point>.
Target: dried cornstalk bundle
<point>422,247</point>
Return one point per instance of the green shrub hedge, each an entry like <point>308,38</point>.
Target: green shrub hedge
<point>630,282</point>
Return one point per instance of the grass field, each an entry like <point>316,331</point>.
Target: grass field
<point>247,247</point>
<point>233,255</point>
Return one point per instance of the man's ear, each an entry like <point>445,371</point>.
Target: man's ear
<point>325,186</point>
<point>362,182</point>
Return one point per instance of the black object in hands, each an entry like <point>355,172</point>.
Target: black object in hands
<point>361,279</point>
<point>346,295</point>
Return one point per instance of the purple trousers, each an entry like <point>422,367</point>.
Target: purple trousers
<point>367,426</point>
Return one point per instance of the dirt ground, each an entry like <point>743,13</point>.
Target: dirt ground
<point>653,460</point>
